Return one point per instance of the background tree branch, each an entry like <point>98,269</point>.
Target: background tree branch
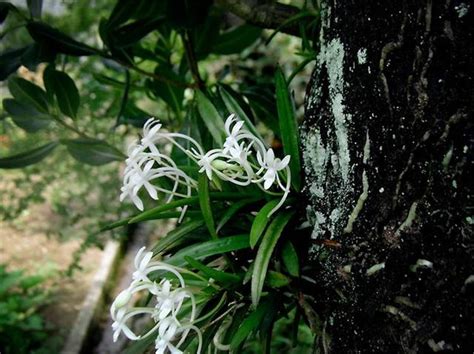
<point>268,15</point>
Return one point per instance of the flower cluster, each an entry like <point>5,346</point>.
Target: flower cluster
<point>171,324</point>
<point>243,160</point>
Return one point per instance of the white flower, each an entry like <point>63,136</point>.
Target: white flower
<point>232,134</point>
<point>166,333</point>
<point>168,301</point>
<point>272,165</point>
<point>141,265</point>
<point>150,135</point>
<point>119,325</point>
<point>120,302</point>
<point>205,162</point>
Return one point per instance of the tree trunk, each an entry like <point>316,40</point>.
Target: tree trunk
<point>387,151</point>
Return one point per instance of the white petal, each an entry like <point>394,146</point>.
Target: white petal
<point>237,127</point>
<point>268,183</point>
<point>138,202</point>
<point>260,160</point>
<point>146,259</point>
<point>151,190</point>
<point>270,156</point>
<point>138,257</point>
<point>283,163</point>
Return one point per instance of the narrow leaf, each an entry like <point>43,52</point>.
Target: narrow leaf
<point>59,41</point>
<point>154,212</point>
<point>260,222</point>
<point>288,127</point>
<point>63,87</point>
<point>5,8</point>
<point>211,117</point>
<point>276,279</point>
<point>29,157</point>
<point>28,93</point>
<point>233,107</point>
<point>236,40</point>
<point>25,116</point>
<point>220,276</point>
<point>290,259</point>
<point>176,235</point>
<point>93,152</point>
<point>250,324</point>
<point>10,60</point>
<point>232,210</point>
<point>264,253</point>
<point>205,204</point>
<point>210,248</point>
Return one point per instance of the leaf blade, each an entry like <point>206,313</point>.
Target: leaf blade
<point>264,254</point>
<point>210,248</point>
<point>288,127</point>
<point>205,204</point>
<point>63,87</point>
<point>92,152</point>
<point>290,259</point>
<point>28,158</point>
<point>211,117</point>
<point>260,222</point>
<point>28,93</point>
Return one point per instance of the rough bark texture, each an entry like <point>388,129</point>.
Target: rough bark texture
<point>387,147</point>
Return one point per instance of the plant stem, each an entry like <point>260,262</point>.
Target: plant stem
<point>191,58</point>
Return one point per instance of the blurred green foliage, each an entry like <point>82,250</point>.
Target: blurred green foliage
<point>22,328</point>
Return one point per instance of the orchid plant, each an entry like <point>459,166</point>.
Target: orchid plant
<point>242,161</point>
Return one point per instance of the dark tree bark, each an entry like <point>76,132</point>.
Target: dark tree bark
<point>387,147</point>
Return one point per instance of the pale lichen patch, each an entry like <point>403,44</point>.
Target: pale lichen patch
<point>362,56</point>
<point>365,189</point>
<point>462,9</point>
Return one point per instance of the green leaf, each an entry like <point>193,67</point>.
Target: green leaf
<point>264,253</point>
<point>154,212</point>
<point>236,40</point>
<point>176,235</point>
<point>65,90</point>
<point>29,157</point>
<point>93,152</point>
<point>205,204</point>
<point>10,61</point>
<point>211,117</point>
<point>5,8</point>
<point>171,94</point>
<point>260,222</point>
<point>288,127</point>
<point>209,248</point>
<point>290,259</point>
<point>61,42</point>
<point>233,209</point>
<point>233,107</point>
<point>26,117</point>
<point>219,276</point>
<point>261,99</point>
<point>28,93</point>
<point>298,17</point>
<point>129,34</point>
<point>251,323</point>
<point>276,279</point>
